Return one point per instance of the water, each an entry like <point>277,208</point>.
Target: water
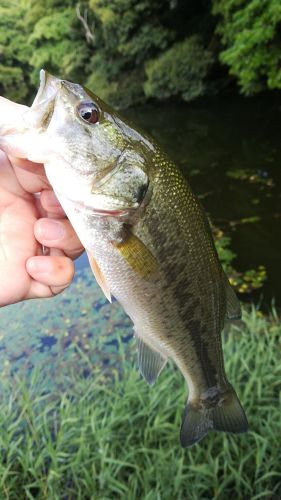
<point>54,337</point>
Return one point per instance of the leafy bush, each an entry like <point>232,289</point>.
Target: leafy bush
<point>181,71</point>
<point>127,33</point>
<point>242,282</point>
<point>251,38</point>
<point>14,52</point>
<point>58,45</point>
<point>140,49</point>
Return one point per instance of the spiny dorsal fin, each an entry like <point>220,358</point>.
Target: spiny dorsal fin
<point>233,309</point>
<point>99,276</point>
<point>150,362</point>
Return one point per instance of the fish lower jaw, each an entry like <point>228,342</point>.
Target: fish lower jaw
<point>96,212</point>
<point>92,210</point>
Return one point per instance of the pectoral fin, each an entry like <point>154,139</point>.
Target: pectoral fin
<point>99,276</point>
<point>138,256</point>
<point>150,362</point>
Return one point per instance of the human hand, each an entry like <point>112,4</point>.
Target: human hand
<point>26,273</point>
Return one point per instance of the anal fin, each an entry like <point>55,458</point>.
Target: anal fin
<point>150,362</point>
<point>99,276</point>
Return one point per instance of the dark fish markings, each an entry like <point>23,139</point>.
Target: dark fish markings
<point>174,252</point>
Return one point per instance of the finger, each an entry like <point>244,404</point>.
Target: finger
<point>8,180</point>
<point>11,113</point>
<point>51,204</point>
<point>51,275</point>
<point>54,233</point>
<point>30,175</point>
<point>8,106</point>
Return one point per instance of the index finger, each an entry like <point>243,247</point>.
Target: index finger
<point>11,113</point>
<point>30,175</point>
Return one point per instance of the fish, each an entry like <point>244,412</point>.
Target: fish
<point>148,241</point>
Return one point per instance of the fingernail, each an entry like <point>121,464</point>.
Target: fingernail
<point>39,265</point>
<point>51,229</point>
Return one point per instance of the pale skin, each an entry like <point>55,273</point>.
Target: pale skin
<point>37,242</point>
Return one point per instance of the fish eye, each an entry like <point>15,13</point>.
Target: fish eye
<point>89,112</point>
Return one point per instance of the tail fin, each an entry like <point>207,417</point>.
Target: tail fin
<point>227,415</point>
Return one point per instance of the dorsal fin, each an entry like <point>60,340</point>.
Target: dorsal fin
<point>99,276</point>
<point>150,362</point>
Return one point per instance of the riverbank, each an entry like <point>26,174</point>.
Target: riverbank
<point>107,435</point>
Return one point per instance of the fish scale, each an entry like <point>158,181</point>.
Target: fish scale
<point>178,258</point>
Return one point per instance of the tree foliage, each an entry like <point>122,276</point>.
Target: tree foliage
<point>128,34</point>
<point>251,36</point>
<point>181,70</point>
<point>130,50</point>
<point>14,51</point>
<point>57,39</point>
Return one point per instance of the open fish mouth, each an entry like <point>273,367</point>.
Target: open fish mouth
<point>48,88</point>
<point>41,111</point>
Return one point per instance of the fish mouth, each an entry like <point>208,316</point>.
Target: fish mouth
<point>98,212</point>
<point>94,211</point>
<point>41,111</point>
<point>94,208</point>
<point>48,88</point>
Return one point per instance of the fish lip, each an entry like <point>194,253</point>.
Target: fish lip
<point>45,93</point>
<point>108,213</point>
<point>102,212</point>
<point>39,114</point>
<point>38,97</point>
<point>97,212</point>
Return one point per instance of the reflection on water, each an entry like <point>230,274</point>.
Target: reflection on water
<point>208,140</point>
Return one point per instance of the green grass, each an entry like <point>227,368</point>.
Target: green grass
<point>99,440</point>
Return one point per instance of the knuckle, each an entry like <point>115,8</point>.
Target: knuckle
<point>68,270</point>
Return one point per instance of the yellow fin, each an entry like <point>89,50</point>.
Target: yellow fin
<point>99,276</point>
<point>137,255</point>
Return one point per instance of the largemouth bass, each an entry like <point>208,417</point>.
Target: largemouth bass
<point>148,240</point>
